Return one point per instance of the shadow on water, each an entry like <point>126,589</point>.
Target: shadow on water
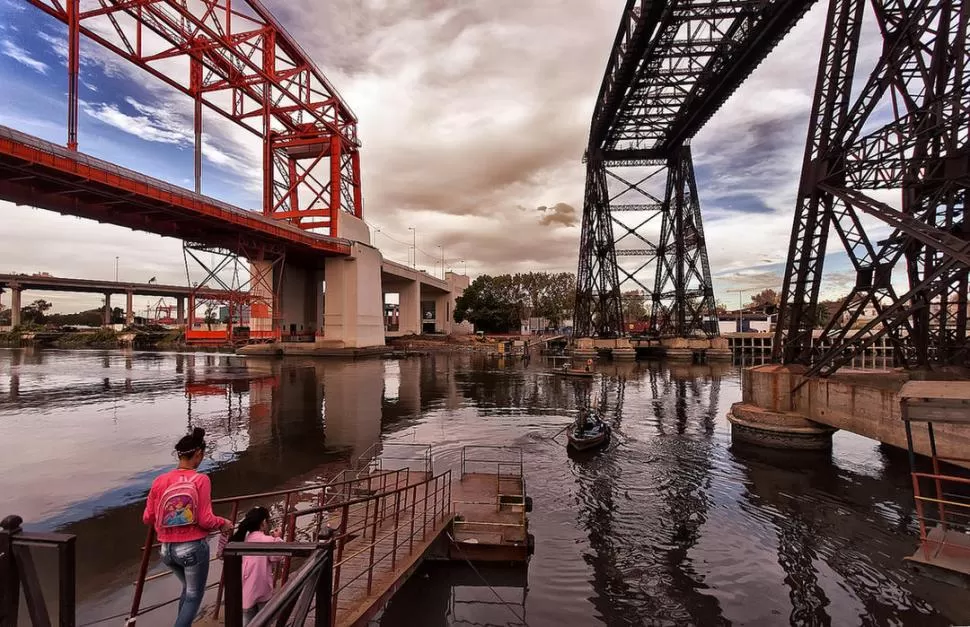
<point>669,525</point>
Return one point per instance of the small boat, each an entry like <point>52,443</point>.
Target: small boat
<point>588,432</point>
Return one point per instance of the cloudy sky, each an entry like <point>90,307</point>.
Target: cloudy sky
<point>473,118</point>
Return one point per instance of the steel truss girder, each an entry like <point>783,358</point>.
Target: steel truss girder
<point>680,289</point>
<point>920,82</point>
<point>674,63</point>
<point>234,58</point>
<point>258,284</point>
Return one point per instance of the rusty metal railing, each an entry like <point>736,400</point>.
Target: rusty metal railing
<point>288,501</point>
<point>372,532</point>
<point>291,604</point>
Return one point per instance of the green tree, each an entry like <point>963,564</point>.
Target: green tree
<point>766,298</point>
<point>558,297</point>
<point>35,312</point>
<point>210,315</point>
<point>634,306</point>
<point>486,303</point>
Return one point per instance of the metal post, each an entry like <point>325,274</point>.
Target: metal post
<point>222,577</point>
<point>936,475</point>
<point>373,544</point>
<point>67,582</point>
<point>9,576</point>
<point>414,496</point>
<point>73,10</point>
<point>325,605</point>
<point>146,557</point>
<point>232,572</point>
<point>397,506</point>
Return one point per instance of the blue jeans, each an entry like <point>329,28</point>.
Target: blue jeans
<point>190,563</point>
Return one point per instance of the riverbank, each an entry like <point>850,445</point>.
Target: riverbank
<point>94,339</point>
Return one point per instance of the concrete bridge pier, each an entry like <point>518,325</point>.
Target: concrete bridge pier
<point>865,402</point>
<point>15,305</point>
<point>106,314</point>
<point>129,308</point>
<point>180,311</point>
<point>354,311</point>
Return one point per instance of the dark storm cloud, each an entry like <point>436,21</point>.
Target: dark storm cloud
<point>559,214</point>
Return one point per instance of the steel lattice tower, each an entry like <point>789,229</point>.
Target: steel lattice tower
<point>672,65</point>
<point>903,135</point>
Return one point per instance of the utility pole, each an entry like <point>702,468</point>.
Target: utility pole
<point>442,261</point>
<point>116,269</point>
<point>414,246</point>
<point>740,308</point>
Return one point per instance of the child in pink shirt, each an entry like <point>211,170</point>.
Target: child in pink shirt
<point>257,571</point>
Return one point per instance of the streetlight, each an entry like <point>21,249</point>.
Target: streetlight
<point>116,269</point>
<point>464,270</point>
<point>414,246</point>
<point>442,261</point>
<point>740,309</point>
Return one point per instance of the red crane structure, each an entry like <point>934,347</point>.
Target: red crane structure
<point>233,58</point>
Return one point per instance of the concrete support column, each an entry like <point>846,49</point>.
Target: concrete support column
<point>409,308</point>
<point>354,315</point>
<point>261,313</point>
<point>180,311</point>
<point>129,308</point>
<point>106,318</point>
<point>318,298</point>
<point>442,313</point>
<point>15,305</point>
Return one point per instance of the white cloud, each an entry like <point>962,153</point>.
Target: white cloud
<point>15,52</point>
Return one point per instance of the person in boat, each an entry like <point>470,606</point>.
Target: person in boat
<point>257,570</point>
<point>589,365</point>
<point>179,507</point>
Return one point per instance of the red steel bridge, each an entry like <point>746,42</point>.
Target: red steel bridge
<point>233,59</point>
<point>903,128</point>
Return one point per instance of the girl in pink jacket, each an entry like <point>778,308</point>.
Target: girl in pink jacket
<point>257,571</point>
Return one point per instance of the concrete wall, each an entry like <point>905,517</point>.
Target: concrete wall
<point>352,228</point>
<point>295,299</point>
<point>863,403</point>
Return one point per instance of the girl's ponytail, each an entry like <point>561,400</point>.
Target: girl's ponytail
<point>251,522</point>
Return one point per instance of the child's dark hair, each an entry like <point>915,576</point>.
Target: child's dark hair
<point>189,444</point>
<point>252,521</point>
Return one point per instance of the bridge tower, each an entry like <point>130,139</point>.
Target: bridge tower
<point>671,67</point>
<point>885,173</point>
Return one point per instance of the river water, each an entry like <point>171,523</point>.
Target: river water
<point>671,526</point>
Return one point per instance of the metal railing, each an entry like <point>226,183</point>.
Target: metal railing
<point>506,462</point>
<point>372,532</point>
<point>287,501</point>
<point>496,458</point>
<point>311,587</point>
<point>415,456</point>
<point>19,575</point>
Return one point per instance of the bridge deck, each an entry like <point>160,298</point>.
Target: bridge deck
<point>39,173</point>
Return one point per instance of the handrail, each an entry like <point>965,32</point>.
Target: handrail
<point>150,543</point>
<point>18,574</point>
<point>291,603</point>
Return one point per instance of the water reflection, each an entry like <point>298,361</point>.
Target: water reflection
<point>670,525</point>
